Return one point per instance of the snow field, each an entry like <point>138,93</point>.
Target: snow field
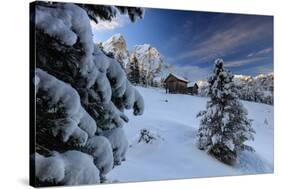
<point>174,155</point>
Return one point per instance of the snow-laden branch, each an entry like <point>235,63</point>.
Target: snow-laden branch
<point>76,123</point>
<point>68,168</point>
<point>80,93</point>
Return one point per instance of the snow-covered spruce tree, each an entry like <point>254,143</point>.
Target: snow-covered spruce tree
<point>143,79</point>
<point>81,94</point>
<point>133,71</point>
<point>224,126</point>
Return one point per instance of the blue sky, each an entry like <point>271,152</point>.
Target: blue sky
<point>191,41</point>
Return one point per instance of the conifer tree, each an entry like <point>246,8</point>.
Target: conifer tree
<point>133,71</point>
<point>143,78</point>
<point>224,126</point>
<point>81,94</point>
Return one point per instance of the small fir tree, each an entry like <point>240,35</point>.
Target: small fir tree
<point>224,126</point>
<point>133,71</point>
<point>143,78</point>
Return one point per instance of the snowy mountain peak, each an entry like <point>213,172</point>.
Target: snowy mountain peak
<point>142,48</point>
<point>269,75</point>
<point>116,45</point>
<point>151,62</point>
<point>117,38</point>
<point>148,57</point>
<point>146,49</point>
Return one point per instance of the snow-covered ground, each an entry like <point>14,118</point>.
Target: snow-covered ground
<point>171,118</point>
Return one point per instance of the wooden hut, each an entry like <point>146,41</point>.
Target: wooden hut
<point>192,88</point>
<point>175,84</point>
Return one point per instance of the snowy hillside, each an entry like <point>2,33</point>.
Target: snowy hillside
<point>258,89</point>
<point>172,154</point>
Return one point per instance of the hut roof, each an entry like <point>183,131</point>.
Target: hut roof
<point>177,77</point>
<point>191,84</point>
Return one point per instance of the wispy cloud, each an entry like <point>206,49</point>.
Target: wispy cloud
<point>224,40</point>
<point>260,52</point>
<point>116,22</point>
<point>242,62</point>
<point>254,57</point>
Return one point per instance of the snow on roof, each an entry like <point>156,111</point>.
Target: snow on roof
<point>178,77</point>
<point>191,84</point>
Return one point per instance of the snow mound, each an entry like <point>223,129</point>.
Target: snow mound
<point>252,163</point>
<point>148,137</point>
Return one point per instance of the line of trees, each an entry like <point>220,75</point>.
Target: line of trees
<point>138,75</point>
